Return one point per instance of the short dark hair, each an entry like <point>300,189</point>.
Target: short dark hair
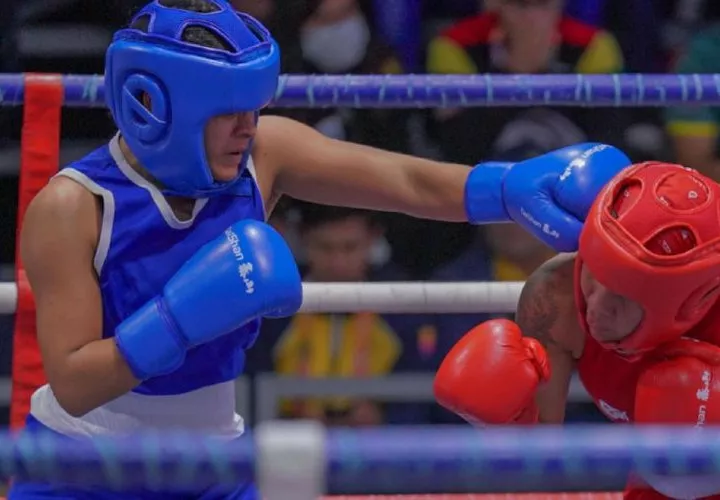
<point>197,35</point>
<point>313,216</point>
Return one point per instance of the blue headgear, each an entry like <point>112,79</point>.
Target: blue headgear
<point>187,85</point>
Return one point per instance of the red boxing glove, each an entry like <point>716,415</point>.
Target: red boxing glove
<point>681,385</point>
<point>490,376</point>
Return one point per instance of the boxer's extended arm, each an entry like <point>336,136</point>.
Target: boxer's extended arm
<point>546,312</point>
<point>312,167</point>
<point>59,235</point>
<point>548,195</point>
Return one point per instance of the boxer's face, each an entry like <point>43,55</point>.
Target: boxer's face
<point>340,250</point>
<point>518,15</point>
<point>610,317</point>
<point>227,137</point>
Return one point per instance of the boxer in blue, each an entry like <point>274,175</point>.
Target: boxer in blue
<point>150,259</point>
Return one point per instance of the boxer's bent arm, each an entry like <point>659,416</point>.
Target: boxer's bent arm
<point>58,242</point>
<point>546,312</point>
<point>309,166</point>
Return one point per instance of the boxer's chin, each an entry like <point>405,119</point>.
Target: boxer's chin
<point>225,172</point>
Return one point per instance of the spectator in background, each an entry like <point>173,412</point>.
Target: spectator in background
<point>635,24</point>
<point>520,36</point>
<point>695,130</point>
<point>284,219</point>
<point>680,20</point>
<point>283,19</point>
<point>339,246</point>
<point>336,37</point>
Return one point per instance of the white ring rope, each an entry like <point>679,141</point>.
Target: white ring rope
<point>389,297</point>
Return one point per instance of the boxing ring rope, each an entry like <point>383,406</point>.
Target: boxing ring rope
<point>312,460</point>
<point>292,461</point>
<point>433,91</point>
<point>387,298</point>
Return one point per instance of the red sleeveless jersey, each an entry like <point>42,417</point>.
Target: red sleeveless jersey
<point>611,380</point>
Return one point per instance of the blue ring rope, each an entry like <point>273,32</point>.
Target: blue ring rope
<point>383,460</point>
<point>433,91</point>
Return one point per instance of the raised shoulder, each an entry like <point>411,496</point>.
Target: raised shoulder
<point>273,133</point>
<point>282,140</point>
<point>289,154</point>
<point>546,309</point>
<point>273,125</point>
<point>63,214</point>
<point>276,145</point>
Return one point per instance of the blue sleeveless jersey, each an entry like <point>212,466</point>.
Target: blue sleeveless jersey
<point>142,245</point>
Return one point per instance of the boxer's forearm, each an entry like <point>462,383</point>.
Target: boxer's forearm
<point>551,397</point>
<point>437,189</point>
<point>309,166</point>
<point>93,375</point>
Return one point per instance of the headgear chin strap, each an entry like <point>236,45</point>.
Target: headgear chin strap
<point>186,84</point>
<point>653,236</point>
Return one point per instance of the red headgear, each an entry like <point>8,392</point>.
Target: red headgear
<point>653,236</point>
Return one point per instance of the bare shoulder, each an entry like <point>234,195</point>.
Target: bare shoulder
<point>270,138</point>
<point>61,224</point>
<point>270,146</point>
<point>546,309</point>
<point>271,122</point>
<point>275,134</point>
<point>557,273</point>
<point>281,145</point>
<point>285,136</point>
<point>63,201</point>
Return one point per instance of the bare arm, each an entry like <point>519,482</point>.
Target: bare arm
<point>546,312</point>
<point>58,242</point>
<point>309,166</point>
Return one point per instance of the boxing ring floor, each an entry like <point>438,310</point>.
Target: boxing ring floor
<point>538,463</point>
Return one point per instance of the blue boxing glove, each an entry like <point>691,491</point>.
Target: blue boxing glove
<point>247,273</point>
<point>549,195</point>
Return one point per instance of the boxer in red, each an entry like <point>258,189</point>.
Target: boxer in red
<point>635,312</point>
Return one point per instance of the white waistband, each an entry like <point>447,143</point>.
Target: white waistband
<point>209,410</point>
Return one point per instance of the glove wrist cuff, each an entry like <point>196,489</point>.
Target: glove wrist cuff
<point>484,201</point>
<point>150,341</point>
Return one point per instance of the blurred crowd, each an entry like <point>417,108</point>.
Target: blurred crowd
<point>346,245</point>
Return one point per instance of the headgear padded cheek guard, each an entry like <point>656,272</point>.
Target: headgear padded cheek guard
<point>187,85</point>
<point>653,236</point>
